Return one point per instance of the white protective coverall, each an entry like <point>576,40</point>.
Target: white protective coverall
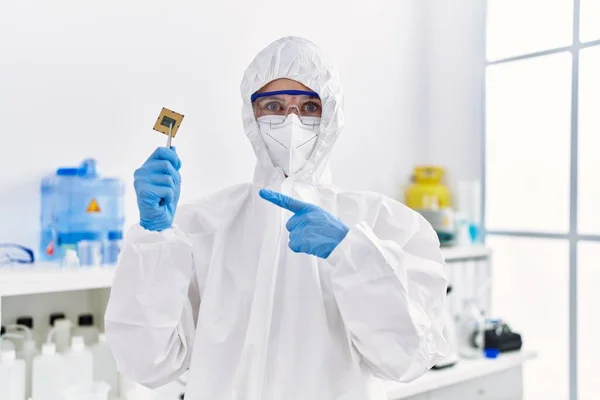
<point>220,292</point>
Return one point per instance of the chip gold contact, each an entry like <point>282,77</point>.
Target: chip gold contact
<point>166,119</point>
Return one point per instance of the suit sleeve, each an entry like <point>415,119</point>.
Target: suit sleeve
<point>389,283</point>
<point>154,301</point>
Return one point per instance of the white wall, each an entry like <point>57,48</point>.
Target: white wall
<point>87,79</point>
<point>454,86</point>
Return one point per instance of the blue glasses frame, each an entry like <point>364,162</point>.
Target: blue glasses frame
<point>290,92</point>
<point>11,253</point>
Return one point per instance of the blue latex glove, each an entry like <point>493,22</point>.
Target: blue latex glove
<point>312,229</point>
<point>157,185</point>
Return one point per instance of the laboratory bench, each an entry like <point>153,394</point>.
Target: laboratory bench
<point>480,379</point>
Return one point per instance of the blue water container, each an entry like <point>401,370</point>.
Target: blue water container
<point>77,205</point>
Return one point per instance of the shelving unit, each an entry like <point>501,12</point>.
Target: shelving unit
<point>469,271</point>
<point>475,252</point>
<point>43,288</point>
<point>48,283</point>
<point>51,278</point>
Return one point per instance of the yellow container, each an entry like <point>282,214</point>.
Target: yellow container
<point>427,192</point>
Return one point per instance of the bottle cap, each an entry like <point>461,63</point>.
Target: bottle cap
<point>55,316</point>
<point>77,343</point>
<point>85,320</point>
<point>25,320</point>
<point>491,353</point>
<point>62,323</point>
<point>48,349</point>
<point>115,235</point>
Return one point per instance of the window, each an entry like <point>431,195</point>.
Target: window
<point>590,15</point>
<point>519,262</point>
<point>528,131</point>
<point>588,221</point>
<point>541,192</point>
<point>589,321</point>
<point>517,27</point>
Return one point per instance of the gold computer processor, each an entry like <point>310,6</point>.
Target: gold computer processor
<point>165,119</point>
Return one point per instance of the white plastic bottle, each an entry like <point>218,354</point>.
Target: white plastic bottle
<point>4,384</point>
<point>28,349</point>
<point>139,392</point>
<point>129,390</point>
<point>86,329</point>
<point>105,366</point>
<point>126,386</point>
<point>48,374</point>
<point>61,331</point>
<point>78,364</point>
<point>15,371</point>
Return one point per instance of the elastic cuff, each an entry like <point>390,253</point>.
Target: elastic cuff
<point>354,238</point>
<point>138,234</point>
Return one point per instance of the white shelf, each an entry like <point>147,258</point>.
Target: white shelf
<point>462,371</point>
<point>464,253</point>
<point>48,278</point>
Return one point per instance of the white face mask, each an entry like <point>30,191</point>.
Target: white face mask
<point>290,143</point>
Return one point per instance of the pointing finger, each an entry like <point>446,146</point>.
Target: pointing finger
<point>284,201</point>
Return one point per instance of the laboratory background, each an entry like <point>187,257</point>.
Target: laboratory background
<point>484,116</point>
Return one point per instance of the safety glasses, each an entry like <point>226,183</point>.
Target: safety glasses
<point>277,105</point>
<point>15,254</point>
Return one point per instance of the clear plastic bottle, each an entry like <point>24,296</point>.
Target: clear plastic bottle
<point>15,371</point>
<point>48,375</point>
<point>105,366</point>
<point>463,237</point>
<point>90,253</point>
<point>471,326</point>
<point>86,329</point>
<point>112,247</point>
<point>78,364</point>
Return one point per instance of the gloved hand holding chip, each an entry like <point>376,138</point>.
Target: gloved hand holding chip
<point>157,186</point>
<point>312,230</point>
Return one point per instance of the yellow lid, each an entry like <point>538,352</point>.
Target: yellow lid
<point>429,174</point>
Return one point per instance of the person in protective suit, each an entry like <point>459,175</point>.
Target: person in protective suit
<point>286,287</point>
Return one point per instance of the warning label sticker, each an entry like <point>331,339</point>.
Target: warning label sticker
<point>93,207</point>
